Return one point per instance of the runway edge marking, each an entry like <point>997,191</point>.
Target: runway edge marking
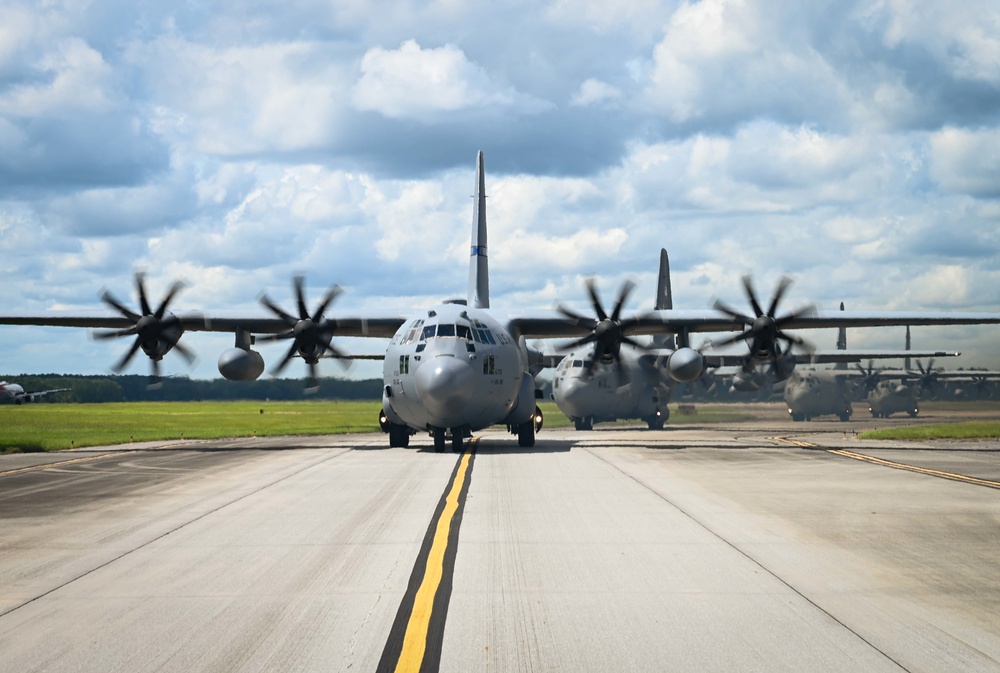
<point>417,632</point>
<point>913,468</point>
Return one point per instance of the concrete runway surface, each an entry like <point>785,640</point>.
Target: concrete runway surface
<point>766,546</point>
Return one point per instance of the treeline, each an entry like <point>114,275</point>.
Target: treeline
<point>136,388</point>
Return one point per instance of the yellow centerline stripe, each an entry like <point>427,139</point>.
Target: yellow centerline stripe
<point>61,463</point>
<point>913,468</point>
<point>793,442</point>
<point>415,640</point>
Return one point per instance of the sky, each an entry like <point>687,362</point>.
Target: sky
<point>854,146</point>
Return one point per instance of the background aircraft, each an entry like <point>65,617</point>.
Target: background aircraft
<point>810,393</point>
<point>459,366</point>
<point>13,392</point>
<point>640,383</point>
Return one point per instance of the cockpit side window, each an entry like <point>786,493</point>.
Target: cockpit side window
<point>462,331</point>
<point>428,332</point>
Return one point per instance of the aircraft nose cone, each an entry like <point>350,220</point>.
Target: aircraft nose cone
<point>570,395</point>
<point>446,386</point>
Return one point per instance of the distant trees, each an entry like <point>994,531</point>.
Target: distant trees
<point>134,388</point>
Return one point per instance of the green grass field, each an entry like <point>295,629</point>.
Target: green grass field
<point>54,427</point>
<point>958,430</point>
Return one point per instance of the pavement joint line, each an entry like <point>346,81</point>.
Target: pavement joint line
<point>913,468</point>
<point>746,554</point>
<point>173,530</point>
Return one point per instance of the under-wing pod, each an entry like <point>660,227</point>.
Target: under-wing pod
<point>239,364</point>
<point>685,365</point>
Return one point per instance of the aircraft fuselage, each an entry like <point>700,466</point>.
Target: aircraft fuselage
<point>454,367</point>
<point>817,393</point>
<point>601,394</point>
<point>890,397</point>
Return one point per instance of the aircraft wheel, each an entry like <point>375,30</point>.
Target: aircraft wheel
<point>844,416</point>
<point>913,412</point>
<point>399,435</point>
<point>439,440</point>
<point>655,423</point>
<point>797,418</point>
<point>526,434</point>
<point>456,440</point>
<point>583,424</point>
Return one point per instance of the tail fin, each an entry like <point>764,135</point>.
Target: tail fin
<point>665,300</point>
<point>841,342</point>
<point>906,362</point>
<point>479,270</point>
<point>664,296</point>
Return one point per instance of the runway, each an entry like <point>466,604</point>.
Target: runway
<point>762,547</point>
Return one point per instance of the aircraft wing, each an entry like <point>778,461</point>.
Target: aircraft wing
<point>375,324</point>
<point>824,357</point>
<point>553,324</point>
<point>42,393</point>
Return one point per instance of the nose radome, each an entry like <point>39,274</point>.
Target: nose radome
<point>571,391</point>
<point>445,386</point>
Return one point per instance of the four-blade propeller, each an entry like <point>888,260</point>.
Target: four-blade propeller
<point>311,334</point>
<point>156,332</point>
<point>764,328</point>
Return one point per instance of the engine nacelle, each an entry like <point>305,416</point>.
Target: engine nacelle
<point>237,364</point>
<point>685,365</point>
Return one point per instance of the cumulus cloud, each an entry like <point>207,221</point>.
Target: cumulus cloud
<point>247,99</point>
<point>853,145</point>
<point>594,91</point>
<point>413,82</point>
<point>967,161</point>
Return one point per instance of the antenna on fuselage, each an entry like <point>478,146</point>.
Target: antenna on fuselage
<point>479,271</point>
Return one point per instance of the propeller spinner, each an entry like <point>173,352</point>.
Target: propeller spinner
<point>156,332</point>
<point>311,334</point>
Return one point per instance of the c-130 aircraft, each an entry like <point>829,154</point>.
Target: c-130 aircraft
<point>459,366</point>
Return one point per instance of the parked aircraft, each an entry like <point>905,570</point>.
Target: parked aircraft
<point>894,391</point>
<point>459,366</point>
<point>14,392</point>
<point>810,393</point>
<point>640,384</point>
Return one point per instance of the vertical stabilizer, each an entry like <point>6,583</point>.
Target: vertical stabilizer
<point>841,342</point>
<point>479,270</point>
<point>906,362</point>
<point>664,299</point>
<point>664,295</point>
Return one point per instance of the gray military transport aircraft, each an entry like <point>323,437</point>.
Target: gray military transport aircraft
<point>458,366</point>
<point>14,392</point>
<point>641,384</point>
<point>812,392</point>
